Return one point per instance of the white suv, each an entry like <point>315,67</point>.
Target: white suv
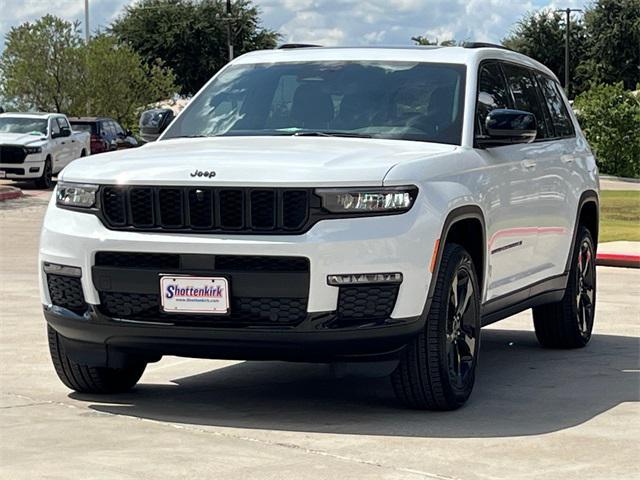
<point>331,204</point>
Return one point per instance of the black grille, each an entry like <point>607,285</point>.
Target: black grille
<point>189,209</point>
<point>366,302</point>
<point>12,154</point>
<point>244,310</point>
<point>241,263</point>
<point>137,260</point>
<point>66,292</point>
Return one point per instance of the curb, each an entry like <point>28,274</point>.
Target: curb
<point>618,260</point>
<point>9,193</point>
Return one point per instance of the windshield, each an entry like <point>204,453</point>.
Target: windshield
<point>397,100</point>
<point>36,126</point>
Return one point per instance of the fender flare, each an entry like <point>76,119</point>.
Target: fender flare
<point>454,216</point>
<point>588,196</point>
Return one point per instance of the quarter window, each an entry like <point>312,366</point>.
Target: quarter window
<point>559,115</point>
<point>492,93</point>
<point>525,96</point>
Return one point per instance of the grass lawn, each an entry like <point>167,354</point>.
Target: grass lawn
<point>619,215</point>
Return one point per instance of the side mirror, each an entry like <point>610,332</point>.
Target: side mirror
<point>128,133</point>
<point>154,122</point>
<point>65,132</point>
<point>508,127</point>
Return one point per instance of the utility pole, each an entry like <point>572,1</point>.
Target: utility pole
<point>229,30</point>
<point>87,33</point>
<point>566,45</point>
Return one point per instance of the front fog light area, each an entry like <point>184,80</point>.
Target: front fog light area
<point>65,270</point>
<point>76,195</point>
<point>374,200</point>
<point>364,279</point>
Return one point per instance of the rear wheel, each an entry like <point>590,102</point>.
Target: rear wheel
<point>46,179</point>
<point>569,322</point>
<point>87,379</point>
<point>437,369</point>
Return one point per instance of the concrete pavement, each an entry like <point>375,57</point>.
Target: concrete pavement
<point>534,413</point>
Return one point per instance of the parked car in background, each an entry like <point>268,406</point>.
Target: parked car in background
<point>106,134</point>
<point>36,146</point>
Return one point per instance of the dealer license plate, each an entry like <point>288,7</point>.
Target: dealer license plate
<point>208,295</point>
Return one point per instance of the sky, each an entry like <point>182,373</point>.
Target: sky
<point>331,22</point>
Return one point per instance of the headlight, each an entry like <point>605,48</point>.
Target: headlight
<point>76,195</point>
<point>368,200</point>
<point>30,150</point>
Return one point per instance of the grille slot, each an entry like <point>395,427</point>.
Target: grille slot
<point>223,210</point>
<point>137,260</point>
<point>66,292</point>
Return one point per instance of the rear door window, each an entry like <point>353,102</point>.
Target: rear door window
<point>560,117</point>
<point>525,96</point>
<point>492,94</point>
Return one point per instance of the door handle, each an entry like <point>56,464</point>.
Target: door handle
<point>528,163</point>
<point>62,143</point>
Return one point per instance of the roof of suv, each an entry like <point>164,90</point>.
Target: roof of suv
<point>455,55</point>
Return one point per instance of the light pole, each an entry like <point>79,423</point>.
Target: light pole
<point>566,45</point>
<point>87,35</point>
<point>229,31</point>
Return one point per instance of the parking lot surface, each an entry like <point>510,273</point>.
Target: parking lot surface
<point>534,413</point>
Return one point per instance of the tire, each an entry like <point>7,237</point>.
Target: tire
<point>437,369</point>
<point>86,379</point>
<point>569,322</point>
<point>46,179</point>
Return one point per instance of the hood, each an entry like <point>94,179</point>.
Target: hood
<point>20,138</point>
<point>253,161</point>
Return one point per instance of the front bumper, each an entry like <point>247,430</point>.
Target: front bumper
<point>400,243</point>
<point>31,168</point>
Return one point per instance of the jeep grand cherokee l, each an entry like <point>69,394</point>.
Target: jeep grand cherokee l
<point>331,204</point>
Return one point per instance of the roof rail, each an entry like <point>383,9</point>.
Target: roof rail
<point>484,45</point>
<point>287,46</point>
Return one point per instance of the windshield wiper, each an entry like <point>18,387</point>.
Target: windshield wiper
<point>321,133</point>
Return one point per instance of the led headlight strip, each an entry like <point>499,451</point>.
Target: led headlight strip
<point>368,200</point>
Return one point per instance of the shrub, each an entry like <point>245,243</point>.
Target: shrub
<point>610,118</point>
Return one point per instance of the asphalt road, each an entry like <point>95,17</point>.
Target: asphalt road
<point>534,413</point>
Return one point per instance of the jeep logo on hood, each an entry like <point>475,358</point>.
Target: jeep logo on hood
<point>200,173</point>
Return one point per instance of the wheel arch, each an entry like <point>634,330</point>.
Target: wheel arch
<point>462,226</point>
<point>588,215</point>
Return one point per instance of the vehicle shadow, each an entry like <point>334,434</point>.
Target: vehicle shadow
<point>521,389</point>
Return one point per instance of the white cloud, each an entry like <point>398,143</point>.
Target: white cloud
<point>332,22</point>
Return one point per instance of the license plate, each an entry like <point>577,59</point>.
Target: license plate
<point>208,295</point>
<point>3,174</point>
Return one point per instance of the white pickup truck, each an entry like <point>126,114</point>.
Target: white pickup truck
<point>36,146</point>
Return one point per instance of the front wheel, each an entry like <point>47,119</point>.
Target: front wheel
<point>46,179</point>
<point>569,322</point>
<point>87,379</point>
<point>437,369</point>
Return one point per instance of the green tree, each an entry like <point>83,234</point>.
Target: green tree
<point>190,36</point>
<point>41,65</point>
<point>541,36</point>
<point>118,82</point>
<point>610,118</point>
<point>613,43</point>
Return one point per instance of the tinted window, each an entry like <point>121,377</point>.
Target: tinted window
<point>525,95</point>
<point>55,128</point>
<point>63,122</point>
<point>492,93</point>
<point>118,128</point>
<point>558,110</point>
<point>396,100</point>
